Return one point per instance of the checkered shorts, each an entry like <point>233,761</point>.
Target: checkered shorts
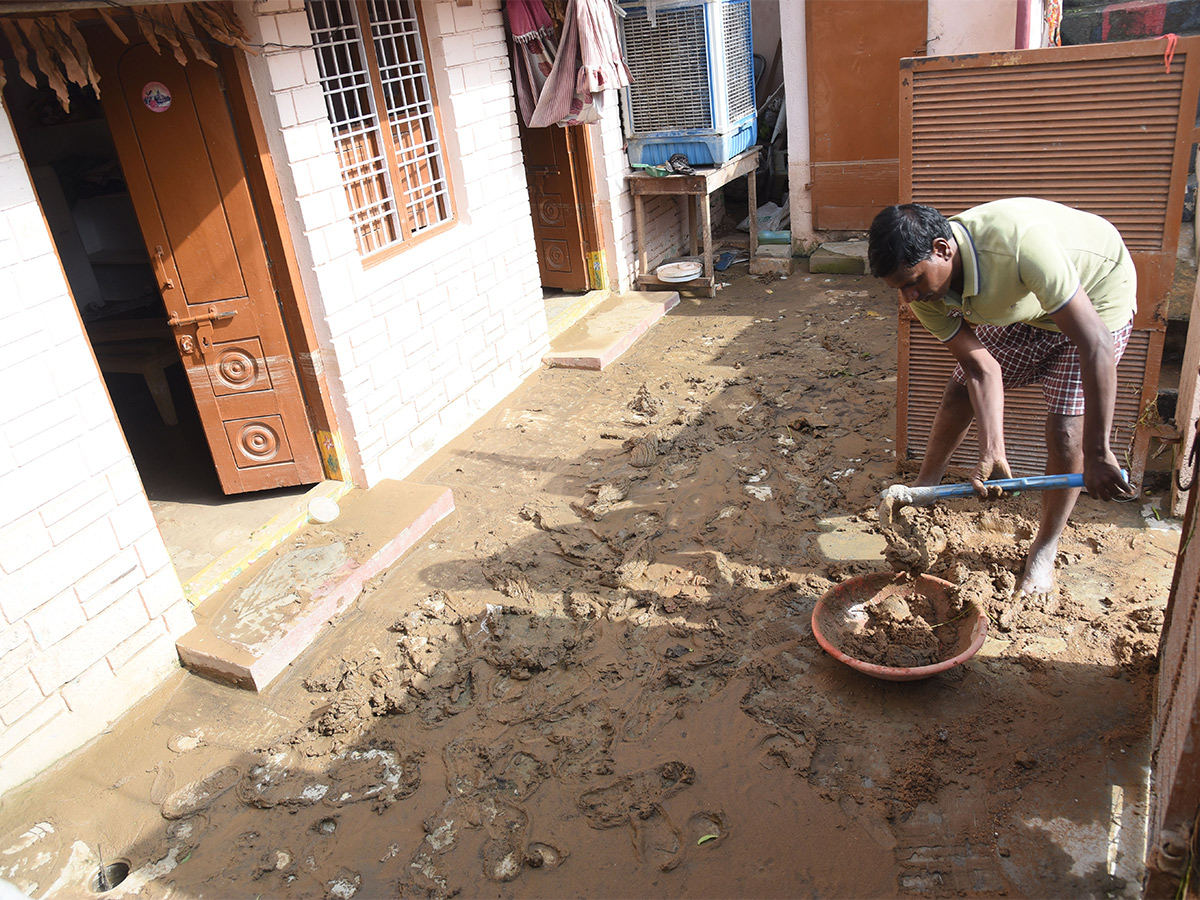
<point>1028,355</point>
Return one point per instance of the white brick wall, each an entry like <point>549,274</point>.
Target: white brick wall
<point>89,604</point>
<point>415,349</point>
<point>410,343</point>
<point>666,225</point>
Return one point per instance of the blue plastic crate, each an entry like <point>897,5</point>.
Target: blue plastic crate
<point>701,148</point>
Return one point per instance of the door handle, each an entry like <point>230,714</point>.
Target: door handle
<point>167,283</point>
<point>204,327</point>
<point>210,316</point>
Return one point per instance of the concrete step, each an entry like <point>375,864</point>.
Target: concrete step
<point>248,632</point>
<point>773,259</point>
<point>565,310</point>
<point>839,258</point>
<point>609,330</point>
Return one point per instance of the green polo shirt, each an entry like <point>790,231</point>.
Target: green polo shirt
<point>1024,258</point>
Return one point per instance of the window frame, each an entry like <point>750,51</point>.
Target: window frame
<point>382,128</point>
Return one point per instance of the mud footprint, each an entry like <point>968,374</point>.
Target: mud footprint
<point>377,773</point>
<point>504,852</point>
<point>705,828</point>
<point>544,856</point>
<point>182,743</point>
<point>164,783</point>
<point>281,779</point>
<point>199,795</point>
<point>522,776</point>
<point>636,795</point>
<point>469,764</point>
<point>184,835</point>
<point>657,840</point>
<point>780,751</point>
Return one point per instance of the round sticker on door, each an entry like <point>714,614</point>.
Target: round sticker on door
<point>156,96</point>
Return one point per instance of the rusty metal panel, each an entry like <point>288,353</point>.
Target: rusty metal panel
<point>1175,747</point>
<point>928,366</point>
<point>1104,127</point>
<point>853,106</point>
<point>1095,126</point>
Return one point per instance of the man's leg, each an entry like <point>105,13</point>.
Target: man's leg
<point>950,424</point>
<point>1064,435</point>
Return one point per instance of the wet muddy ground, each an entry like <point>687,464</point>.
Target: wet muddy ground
<point>598,678</point>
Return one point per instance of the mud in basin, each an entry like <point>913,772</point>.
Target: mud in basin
<point>898,627</point>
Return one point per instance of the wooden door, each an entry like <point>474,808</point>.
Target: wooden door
<point>854,53</point>
<point>1175,741</point>
<point>554,196</point>
<point>179,152</point>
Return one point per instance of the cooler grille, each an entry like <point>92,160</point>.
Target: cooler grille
<point>739,60</point>
<point>669,65</point>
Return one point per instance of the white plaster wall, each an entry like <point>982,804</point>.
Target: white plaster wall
<point>666,223</point>
<point>614,205</point>
<point>90,606</point>
<point>417,347</point>
<point>764,25</point>
<point>665,219</point>
<point>972,26</point>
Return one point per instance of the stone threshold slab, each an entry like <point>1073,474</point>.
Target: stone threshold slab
<point>252,629</point>
<point>609,330</point>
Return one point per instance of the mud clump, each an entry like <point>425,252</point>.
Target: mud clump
<point>915,540</point>
<point>902,632</point>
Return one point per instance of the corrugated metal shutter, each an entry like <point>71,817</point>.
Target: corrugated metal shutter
<point>1106,128</point>
<point>929,364</point>
<point>1095,134</point>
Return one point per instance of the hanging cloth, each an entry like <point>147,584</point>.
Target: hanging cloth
<point>534,49</point>
<point>585,64</point>
<point>602,66</point>
<point>1053,15</point>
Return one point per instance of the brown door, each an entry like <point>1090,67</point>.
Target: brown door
<point>550,171</point>
<point>854,52</point>
<point>1175,741</point>
<point>185,173</point>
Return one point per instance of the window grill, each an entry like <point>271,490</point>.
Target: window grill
<point>395,176</point>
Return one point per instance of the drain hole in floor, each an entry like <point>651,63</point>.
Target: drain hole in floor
<point>109,876</point>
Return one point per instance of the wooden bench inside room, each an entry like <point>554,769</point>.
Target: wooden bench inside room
<point>138,347</point>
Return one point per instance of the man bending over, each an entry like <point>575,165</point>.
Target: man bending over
<point>1019,291</point>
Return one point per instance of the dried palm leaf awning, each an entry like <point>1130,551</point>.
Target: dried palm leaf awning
<point>51,44</point>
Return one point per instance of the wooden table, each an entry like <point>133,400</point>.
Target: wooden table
<point>694,191</point>
<point>139,347</point>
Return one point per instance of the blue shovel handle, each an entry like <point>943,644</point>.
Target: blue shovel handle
<point>1029,483</point>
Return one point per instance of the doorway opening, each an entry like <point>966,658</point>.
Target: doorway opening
<point>562,199</point>
<point>83,194</point>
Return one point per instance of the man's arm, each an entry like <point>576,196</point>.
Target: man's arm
<point>985,393</point>
<point>1079,322</point>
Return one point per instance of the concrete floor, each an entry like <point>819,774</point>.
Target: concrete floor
<point>198,522</point>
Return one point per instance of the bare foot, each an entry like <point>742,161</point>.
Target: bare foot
<point>1037,582</point>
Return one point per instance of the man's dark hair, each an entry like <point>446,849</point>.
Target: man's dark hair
<point>901,236</point>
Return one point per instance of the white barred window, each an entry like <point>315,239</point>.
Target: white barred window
<point>395,176</point>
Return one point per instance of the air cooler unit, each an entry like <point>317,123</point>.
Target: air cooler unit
<point>693,80</point>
